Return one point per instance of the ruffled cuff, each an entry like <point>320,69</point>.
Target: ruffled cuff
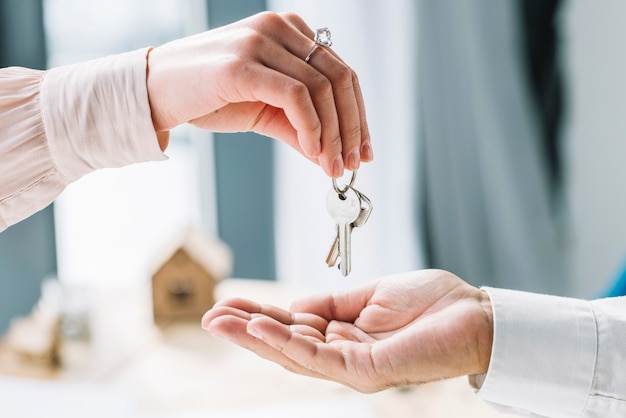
<point>96,114</point>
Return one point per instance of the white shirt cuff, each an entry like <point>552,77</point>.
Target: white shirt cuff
<point>543,355</point>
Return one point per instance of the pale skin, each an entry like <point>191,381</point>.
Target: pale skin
<point>405,329</point>
<point>251,76</point>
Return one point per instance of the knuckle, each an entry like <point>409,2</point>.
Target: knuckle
<point>253,43</point>
<point>354,131</point>
<point>355,77</point>
<point>335,141</point>
<point>293,18</point>
<point>343,75</point>
<point>268,21</point>
<point>321,84</point>
<point>316,128</point>
<point>265,17</point>
<point>300,93</point>
<point>365,132</point>
<point>297,90</point>
<point>261,29</point>
<point>236,67</point>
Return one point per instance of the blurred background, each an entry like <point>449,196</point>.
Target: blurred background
<point>497,130</point>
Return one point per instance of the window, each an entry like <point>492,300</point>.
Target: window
<point>112,223</point>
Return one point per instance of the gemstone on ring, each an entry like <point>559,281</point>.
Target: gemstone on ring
<point>322,37</point>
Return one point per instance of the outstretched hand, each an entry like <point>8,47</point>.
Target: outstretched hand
<point>404,329</point>
<point>251,76</point>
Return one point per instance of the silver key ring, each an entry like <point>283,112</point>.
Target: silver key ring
<point>347,186</point>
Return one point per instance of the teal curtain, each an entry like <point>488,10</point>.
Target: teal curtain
<point>244,177</point>
<point>27,249</point>
<point>488,194</point>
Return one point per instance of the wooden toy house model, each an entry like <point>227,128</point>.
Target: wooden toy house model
<point>184,280</point>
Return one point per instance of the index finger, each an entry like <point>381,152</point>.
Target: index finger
<point>365,150</point>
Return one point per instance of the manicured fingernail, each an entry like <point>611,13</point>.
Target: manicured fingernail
<point>366,152</point>
<point>353,160</point>
<point>338,167</point>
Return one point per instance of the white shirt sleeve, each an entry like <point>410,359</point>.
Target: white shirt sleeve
<point>58,125</point>
<point>557,357</point>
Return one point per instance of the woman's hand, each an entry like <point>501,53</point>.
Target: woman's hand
<point>251,76</point>
<point>409,328</point>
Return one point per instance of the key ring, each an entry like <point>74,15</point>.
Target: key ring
<point>347,186</point>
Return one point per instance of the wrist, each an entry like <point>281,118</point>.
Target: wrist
<point>485,332</point>
<point>163,136</point>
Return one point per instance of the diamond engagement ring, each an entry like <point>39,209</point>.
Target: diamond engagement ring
<point>322,38</point>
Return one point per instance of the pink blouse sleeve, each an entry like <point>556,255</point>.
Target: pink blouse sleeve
<point>59,125</point>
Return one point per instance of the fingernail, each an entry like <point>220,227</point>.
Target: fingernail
<point>213,332</point>
<point>366,152</point>
<point>255,333</point>
<point>204,322</point>
<point>353,160</point>
<point>338,167</point>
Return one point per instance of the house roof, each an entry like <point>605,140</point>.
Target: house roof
<point>212,254</point>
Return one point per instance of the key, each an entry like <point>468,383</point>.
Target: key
<point>333,254</point>
<point>366,210</point>
<point>344,208</point>
<point>364,214</point>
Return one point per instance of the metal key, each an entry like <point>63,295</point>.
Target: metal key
<point>333,254</point>
<point>366,210</point>
<point>344,208</point>
<point>364,214</point>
